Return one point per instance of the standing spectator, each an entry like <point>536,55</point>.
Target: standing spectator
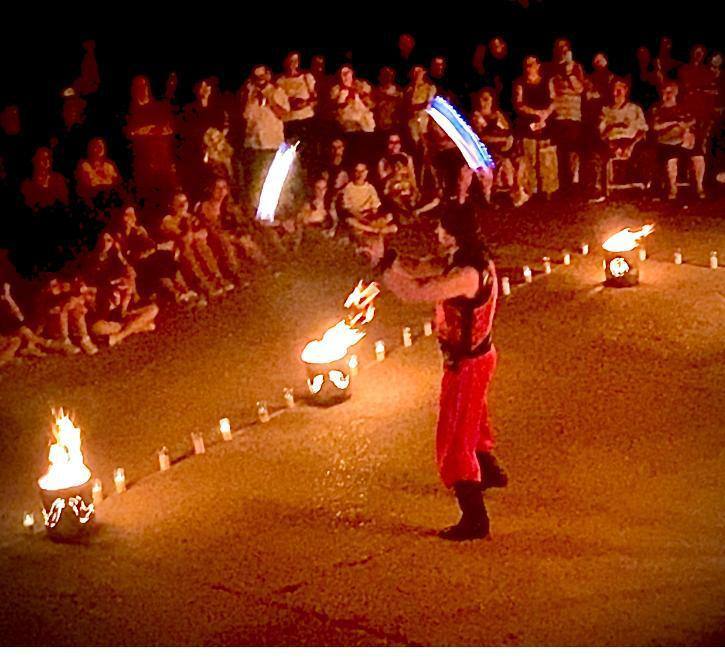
<point>387,97</point>
<point>405,56</point>
<point>151,133</point>
<point>440,79</point>
<point>46,188</point>
<point>299,86</point>
<point>418,96</point>
<point>665,62</point>
<point>89,81</point>
<point>97,175</point>
<point>537,168</point>
<point>566,87</point>
<point>352,98</point>
<point>13,150</point>
<point>264,106</point>
<point>498,72</point>
<point>674,133</point>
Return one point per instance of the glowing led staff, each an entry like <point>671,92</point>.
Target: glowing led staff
<point>450,120</point>
<point>272,188</point>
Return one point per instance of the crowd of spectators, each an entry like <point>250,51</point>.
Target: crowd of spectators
<point>179,225</point>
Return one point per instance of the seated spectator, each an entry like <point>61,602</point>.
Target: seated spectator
<point>537,169</point>
<point>315,213</point>
<point>353,102</point>
<point>387,99</point>
<point>441,160</point>
<point>46,188</point>
<point>622,127</point>
<point>108,266</point>
<point>401,191</point>
<point>97,175</point>
<point>393,149</point>
<point>115,322</point>
<point>299,86</point>
<point>361,210</point>
<point>417,98</point>
<point>68,306</point>
<point>336,172</point>
<point>197,260</point>
<point>566,87</point>
<point>673,127</point>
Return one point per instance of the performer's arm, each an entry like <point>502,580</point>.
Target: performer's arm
<point>459,282</point>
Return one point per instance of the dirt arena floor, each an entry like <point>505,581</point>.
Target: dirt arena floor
<point>318,528</point>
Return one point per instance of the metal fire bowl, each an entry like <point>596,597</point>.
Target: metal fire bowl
<point>69,527</point>
<point>630,278</point>
<point>329,394</point>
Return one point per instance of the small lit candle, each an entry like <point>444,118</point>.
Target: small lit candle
<point>547,265</point>
<point>198,441</point>
<point>28,521</point>
<point>604,264</point>
<point>262,411</point>
<point>527,274</point>
<point>407,337</point>
<point>119,479</point>
<point>506,286</point>
<point>713,260</point>
<point>380,350</point>
<point>225,429</point>
<point>585,248</point>
<point>164,461</point>
<point>97,492</point>
<point>642,254</point>
<point>567,259</point>
<point>353,364</point>
<point>427,329</point>
<point>678,256</point>
<point>289,397</point>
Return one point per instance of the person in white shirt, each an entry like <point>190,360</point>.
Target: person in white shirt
<point>299,86</point>
<point>264,105</point>
<point>352,99</point>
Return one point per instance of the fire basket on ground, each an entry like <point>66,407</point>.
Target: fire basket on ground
<point>620,264</point>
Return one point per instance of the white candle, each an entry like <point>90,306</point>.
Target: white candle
<point>225,429</point>
<point>164,461</point>
<point>119,479</point>
<point>353,364</point>
<point>407,337</point>
<point>527,274</point>
<point>198,441</point>
<point>678,256</point>
<point>547,265</point>
<point>262,411</point>
<point>585,248</point>
<point>427,329</point>
<point>28,521</point>
<point>713,260</point>
<point>289,397</point>
<point>380,350</point>
<point>642,254</point>
<point>506,286</point>
<point>567,259</point>
<point>97,492</point>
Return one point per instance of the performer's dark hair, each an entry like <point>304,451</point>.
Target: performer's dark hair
<point>460,221</point>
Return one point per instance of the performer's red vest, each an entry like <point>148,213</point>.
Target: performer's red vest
<point>464,324</point>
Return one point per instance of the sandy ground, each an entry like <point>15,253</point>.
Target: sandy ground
<point>318,528</point>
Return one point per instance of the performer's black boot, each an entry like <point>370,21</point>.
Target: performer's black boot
<point>474,522</point>
<point>492,474</point>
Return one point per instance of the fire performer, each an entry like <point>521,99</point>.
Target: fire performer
<point>465,295</point>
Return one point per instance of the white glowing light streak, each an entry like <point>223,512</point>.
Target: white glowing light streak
<point>626,239</point>
<point>458,130</point>
<point>66,459</point>
<point>273,183</point>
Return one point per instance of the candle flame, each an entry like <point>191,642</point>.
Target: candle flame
<point>67,468</point>
<point>626,239</point>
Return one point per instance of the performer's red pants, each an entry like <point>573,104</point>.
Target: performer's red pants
<point>463,426</point>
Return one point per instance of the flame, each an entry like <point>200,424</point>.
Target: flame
<point>626,239</point>
<point>276,176</point>
<point>66,459</point>
<point>344,334</point>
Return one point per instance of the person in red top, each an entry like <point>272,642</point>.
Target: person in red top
<point>46,187</point>
<point>465,295</point>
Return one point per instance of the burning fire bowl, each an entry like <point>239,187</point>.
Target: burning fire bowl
<point>620,270</point>
<point>68,513</point>
<point>329,383</point>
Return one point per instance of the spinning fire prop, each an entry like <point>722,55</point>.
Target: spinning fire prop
<point>328,371</point>
<point>66,489</point>
<point>620,267</point>
<point>273,183</point>
<point>473,150</point>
